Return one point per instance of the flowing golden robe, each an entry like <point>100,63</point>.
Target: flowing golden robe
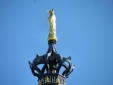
<point>52,30</point>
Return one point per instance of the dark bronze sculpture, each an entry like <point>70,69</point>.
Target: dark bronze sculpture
<point>52,63</point>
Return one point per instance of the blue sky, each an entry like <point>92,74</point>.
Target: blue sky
<point>84,31</point>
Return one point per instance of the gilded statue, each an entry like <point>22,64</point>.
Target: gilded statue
<point>52,22</point>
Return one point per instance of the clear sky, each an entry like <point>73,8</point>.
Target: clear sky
<point>84,31</point>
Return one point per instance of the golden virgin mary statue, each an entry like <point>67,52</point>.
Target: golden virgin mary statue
<point>52,29</point>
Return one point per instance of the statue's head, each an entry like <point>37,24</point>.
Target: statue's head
<point>51,12</point>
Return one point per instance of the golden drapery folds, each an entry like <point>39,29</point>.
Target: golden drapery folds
<point>52,22</point>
